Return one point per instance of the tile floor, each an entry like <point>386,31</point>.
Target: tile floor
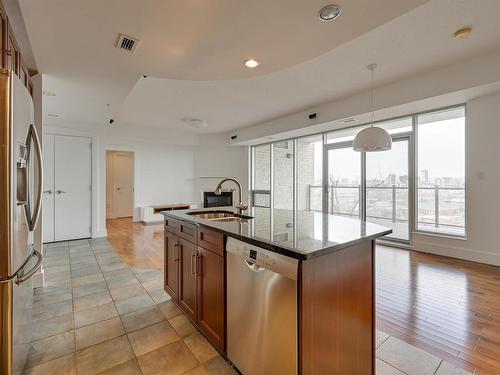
<point>95,315</point>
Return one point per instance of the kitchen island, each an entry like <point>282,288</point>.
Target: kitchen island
<point>335,279</point>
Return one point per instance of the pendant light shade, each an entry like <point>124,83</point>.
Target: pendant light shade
<point>373,138</point>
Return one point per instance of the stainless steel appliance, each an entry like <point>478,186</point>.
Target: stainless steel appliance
<point>20,202</point>
<point>261,310</point>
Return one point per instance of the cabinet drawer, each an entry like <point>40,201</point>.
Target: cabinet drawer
<point>171,225</point>
<point>211,240</point>
<point>187,231</point>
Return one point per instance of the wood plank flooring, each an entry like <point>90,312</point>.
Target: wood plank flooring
<point>447,307</point>
<point>139,245</point>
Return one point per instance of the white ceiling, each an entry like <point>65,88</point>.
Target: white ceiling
<point>193,55</point>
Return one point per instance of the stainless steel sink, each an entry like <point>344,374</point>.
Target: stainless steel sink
<point>220,216</point>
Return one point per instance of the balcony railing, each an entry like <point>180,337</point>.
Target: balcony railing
<point>431,205</point>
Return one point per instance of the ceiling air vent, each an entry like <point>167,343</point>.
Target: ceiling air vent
<point>127,43</point>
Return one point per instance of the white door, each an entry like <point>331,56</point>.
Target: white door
<point>73,184</point>
<point>123,184</point>
<point>48,188</point>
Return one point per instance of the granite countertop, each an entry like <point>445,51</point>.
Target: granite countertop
<point>300,234</point>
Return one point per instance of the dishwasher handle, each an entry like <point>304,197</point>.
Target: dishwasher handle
<point>253,266</point>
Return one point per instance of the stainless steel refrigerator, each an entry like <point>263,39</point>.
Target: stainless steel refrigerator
<point>21,184</point>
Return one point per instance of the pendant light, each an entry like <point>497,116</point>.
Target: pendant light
<point>372,138</point>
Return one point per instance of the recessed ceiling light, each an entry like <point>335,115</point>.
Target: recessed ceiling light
<point>329,12</point>
<point>348,120</point>
<point>251,63</point>
<point>52,115</point>
<point>464,32</point>
<point>49,93</point>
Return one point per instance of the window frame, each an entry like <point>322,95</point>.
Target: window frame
<point>413,170</point>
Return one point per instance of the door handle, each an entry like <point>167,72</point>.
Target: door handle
<point>193,265</point>
<point>60,192</point>
<point>35,214</point>
<point>22,277</point>
<point>253,266</point>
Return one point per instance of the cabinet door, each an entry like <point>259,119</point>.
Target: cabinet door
<point>187,287</point>
<point>210,312</point>
<point>172,265</point>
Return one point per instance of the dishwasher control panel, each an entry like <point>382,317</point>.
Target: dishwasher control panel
<point>262,257</point>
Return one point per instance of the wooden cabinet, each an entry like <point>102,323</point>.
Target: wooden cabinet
<point>194,276</point>
<point>210,293</point>
<point>187,285</point>
<point>10,53</point>
<point>171,265</point>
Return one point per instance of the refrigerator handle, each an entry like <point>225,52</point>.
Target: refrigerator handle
<point>21,276</point>
<point>33,221</point>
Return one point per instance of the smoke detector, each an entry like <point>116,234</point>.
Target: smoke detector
<point>195,123</point>
<point>127,43</point>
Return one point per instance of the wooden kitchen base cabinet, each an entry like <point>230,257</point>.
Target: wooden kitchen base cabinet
<point>194,278</point>
<point>210,292</point>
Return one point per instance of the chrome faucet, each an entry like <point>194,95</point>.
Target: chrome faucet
<point>218,190</point>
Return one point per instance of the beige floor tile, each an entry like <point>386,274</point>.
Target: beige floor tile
<point>383,368</point>
<point>50,298</point>
<point>122,281</point>
<point>153,285</point>
<point>50,348</point>
<point>51,327</point>
<point>182,325</point>
<point>407,358</point>
<point>98,332</point>
<point>448,369</point>
<point>132,304</point>
<point>142,318</point>
<point>172,359</point>
<point>127,368</point>
<point>218,366</point>
<point>61,366</point>
<point>200,347</point>
<point>101,357</point>
<point>169,309</point>
<point>380,337</point>
<point>200,370</point>
<point>85,290</point>
<point>95,314</point>
<point>53,310</point>
<point>159,295</point>
<point>91,300</point>
<point>87,280</point>
<point>151,338</point>
<point>119,294</point>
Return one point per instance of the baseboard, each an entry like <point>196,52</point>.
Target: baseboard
<point>156,222</point>
<point>459,253</point>
<point>100,233</point>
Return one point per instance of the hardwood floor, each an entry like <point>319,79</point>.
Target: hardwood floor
<point>447,307</point>
<point>139,245</point>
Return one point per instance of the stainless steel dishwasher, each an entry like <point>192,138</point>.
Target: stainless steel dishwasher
<point>261,310</point>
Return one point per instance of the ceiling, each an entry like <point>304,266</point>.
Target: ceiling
<point>192,53</point>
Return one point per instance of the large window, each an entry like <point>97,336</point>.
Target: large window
<point>407,188</point>
<point>441,172</point>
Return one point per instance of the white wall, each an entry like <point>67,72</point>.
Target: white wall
<point>163,173</point>
<point>483,188</point>
<point>216,162</point>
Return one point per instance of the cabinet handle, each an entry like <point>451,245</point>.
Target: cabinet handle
<point>176,252</point>
<point>198,266</point>
<point>193,255</point>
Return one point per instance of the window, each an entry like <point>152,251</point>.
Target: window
<point>309,173</point>
<point>261,176</point>
<point>411,187</point>
<point>441,172</point>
